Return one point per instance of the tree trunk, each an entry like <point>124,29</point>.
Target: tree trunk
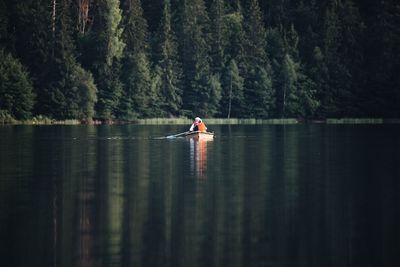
<point>83,15</point>
<point>230,96</point>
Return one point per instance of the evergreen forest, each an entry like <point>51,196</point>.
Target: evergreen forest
<point>128,59</point>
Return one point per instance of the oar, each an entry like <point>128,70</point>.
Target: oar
<point>177,135</point>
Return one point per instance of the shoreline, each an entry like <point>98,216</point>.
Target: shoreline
<point>211,121</point>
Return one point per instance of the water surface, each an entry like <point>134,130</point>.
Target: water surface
<point>257,195</point>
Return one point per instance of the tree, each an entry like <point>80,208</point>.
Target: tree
<point>343,32</point>
<point>216,35</point>
<point>318,72</point>
<point>200,86</point>
<point>16,91</point>
<point>140,97</point>
<point>30,32</point>
<point>101,49</point>
<point>259,93</point>
<point>72,92</point>
<point>295,91</point>
<point>256,66</point>
<point>168,68</point>
<point>232,99</point>
<point>381,93</point>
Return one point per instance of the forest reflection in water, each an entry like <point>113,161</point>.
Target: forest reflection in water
<point>306,195</point>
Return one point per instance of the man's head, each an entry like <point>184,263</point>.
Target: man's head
<point>197,119</point>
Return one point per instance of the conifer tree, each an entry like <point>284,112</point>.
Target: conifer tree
<point>200,87</point>
<point>168,68</point>
<point>381,93</point>
<point>232,99</point>
<point>101,50</point>
<point>302,94</point>
<point>256,68</point>
<point>73,92</point>
<point>318,72</point>
<point>343,32</point>
<point>140,97</point>
<point>217,14</point>
<point>30,22</point>
<point>232,81</point>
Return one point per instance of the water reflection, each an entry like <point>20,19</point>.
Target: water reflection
<point>198,157</point>
<point>291,196</point>
<point>86,222</point>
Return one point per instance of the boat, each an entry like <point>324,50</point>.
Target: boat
<point>200,135</point>
<point>197,135</point>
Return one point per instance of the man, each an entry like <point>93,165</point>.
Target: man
<point>198,125</point>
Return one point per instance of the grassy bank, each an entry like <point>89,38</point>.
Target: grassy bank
<point>362,121</point>
<point>185,121</point>
<point>37,120</point>
<point>178,121</point>
<point>41,120</point>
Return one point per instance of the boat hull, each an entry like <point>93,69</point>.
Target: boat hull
<point>199,135</point>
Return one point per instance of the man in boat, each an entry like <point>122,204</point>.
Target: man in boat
<point>198,125</point>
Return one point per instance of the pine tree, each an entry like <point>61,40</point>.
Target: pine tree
<point>200,87</point>
<point>168,68</point>
<point>140,97</point>
<point>232,81</point>
<point>318,72</point>
<point>381,94</point>
<point>101,50</point>
<point>73,92</point>
<point>302,95</point>
<point>232,99</point>
<point>256,67</point>
<point>295,91</point>
<point>30,32</point>
<point>233,37</point>
<point>343,33</point>
<point>259,100</point>
<point>217,14</point>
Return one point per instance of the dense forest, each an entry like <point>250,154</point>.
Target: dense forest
<point>127,59</point>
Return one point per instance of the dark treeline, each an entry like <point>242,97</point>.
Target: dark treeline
<point>126,59</point>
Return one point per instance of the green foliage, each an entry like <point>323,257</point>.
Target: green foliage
<point>6,118</point>
<point>217,15</point>
<point>255,35</point>
<point>256,66</point>
<point>208,57</point>
<point>168,71</point>
<point>214,96</point>
<point>232,98</point>
<point>258,93</point>
<point>72,94</point>
<point>300,89</point>
<point>80,94</point>
<point>141,96</point>
<point>102,48</point>
<point>109,96</point>
<point>198,89</point>
<point>233,37</point>
<point>295,91</point>
<point>16,96</point>
<point>343,34</point>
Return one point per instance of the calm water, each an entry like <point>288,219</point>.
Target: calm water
<point>305,195</point>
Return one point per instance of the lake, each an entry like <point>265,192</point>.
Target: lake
<point>256,195</point>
